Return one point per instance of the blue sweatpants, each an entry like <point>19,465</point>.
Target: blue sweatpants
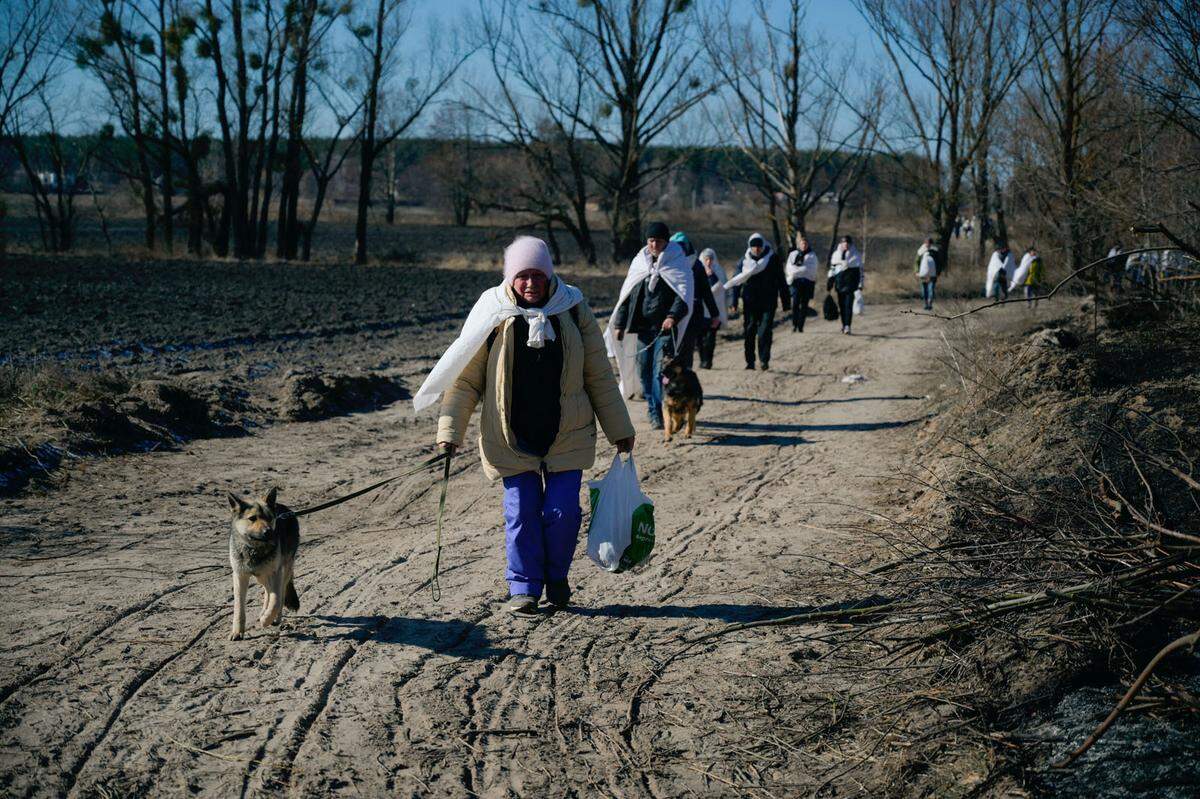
<point>542,519</point>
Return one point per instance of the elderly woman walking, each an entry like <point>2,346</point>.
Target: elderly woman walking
<point>532,353</point>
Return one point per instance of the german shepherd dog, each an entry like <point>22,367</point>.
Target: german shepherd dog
<point>262,545</point>
<point>683,398</point>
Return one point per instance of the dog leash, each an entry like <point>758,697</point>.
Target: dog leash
<point>444,458</point>
<point>373,487</point>
<point>435,585</point>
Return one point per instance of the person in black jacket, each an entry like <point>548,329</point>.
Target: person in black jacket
<point>762,282</point>
<point>651,313</point>
<point>706,315</point>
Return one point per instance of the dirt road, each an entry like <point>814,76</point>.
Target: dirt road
<point>117,678</point>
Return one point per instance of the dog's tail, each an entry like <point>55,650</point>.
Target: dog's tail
<point>291,600</point>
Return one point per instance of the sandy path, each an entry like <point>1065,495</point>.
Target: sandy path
<point>116,672</point>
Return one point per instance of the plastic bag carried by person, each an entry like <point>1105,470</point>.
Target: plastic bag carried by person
<point>859,303</point>
<point>831,308</point>
<point>621,532</point>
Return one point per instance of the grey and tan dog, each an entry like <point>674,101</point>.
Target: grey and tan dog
<point>262,544</point>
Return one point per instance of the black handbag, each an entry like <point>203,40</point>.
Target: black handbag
<point>831,308</point>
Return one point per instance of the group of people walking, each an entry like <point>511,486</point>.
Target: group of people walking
<point>532,355</point>
<point>1005,275</point>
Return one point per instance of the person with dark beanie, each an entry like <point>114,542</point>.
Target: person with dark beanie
<point>846,275</point>
<point>655,304</point>
<point>762,283</point>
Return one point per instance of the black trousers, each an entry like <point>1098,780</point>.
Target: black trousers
<point>802,294</point>
<point>691,340</point>
<point>758,327</point>
<point>708,347</point>
<point>846,305</point>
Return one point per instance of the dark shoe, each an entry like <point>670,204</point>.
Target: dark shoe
<point>750,367</point>
<point>558,594</point>
<point>766,367</point>
<point>523,605</point>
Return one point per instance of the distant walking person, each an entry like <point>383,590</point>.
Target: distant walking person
<point>532,355</point>
<point>1029,276</point>
<point>1000,267</point>
<point>927,271</point>
<point>762,283</point>
<point>715,274</point>
<point>801,274</point>
<point>845,275</point>
<point>1115,267</point>
<point>707,315</point>
<point>655,305</point>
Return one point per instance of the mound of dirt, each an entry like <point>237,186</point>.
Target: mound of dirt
<point>310,396</point>
<point>82,420</point>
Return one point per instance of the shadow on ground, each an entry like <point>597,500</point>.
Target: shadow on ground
<point>723,611</point>
<point>854,427</point>
<point>461,638</point>
<point>728,398</point>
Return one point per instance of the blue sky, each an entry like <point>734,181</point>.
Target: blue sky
<point>834,23</point>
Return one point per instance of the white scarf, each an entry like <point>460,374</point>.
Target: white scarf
<point>751,266</point>
<point>842,261</point>
<point>673,266</point>
<point>492,308</point>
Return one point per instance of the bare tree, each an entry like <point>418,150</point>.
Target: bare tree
<point>381,37</point>
<point>954,64</point>
<point>32,37</point>
<point>326,156</point>
<point>33,34</point>
<point>55,165</point>
<point>117,46</point>
<point>313,24</point>
<point>1065,96</point>
<point>786,111</point>
<point>639,76</point>
<point>543,102</point>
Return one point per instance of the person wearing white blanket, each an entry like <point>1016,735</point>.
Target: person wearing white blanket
<point>801,274</point>
<point>927,271</point>
<point>1000,267</point>
<point>655,305</point>
<point>846,275</point>
<point>761,279</point>
<point>531,352</point>
<point>715,274</point>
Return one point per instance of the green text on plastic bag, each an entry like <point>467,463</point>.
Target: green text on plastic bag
<point>642,539</point>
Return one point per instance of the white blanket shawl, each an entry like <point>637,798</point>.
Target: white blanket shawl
<point>673,266</point>
<point>1018,278</point>
<point>492,308</point>
<point>751,266</point>
<point>998,262</point>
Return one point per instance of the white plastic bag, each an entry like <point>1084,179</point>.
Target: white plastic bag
<point>621,532</point>
<point>859,304</point>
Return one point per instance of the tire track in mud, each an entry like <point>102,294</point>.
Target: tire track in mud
<point>44,671</point>
<point>128,696</point>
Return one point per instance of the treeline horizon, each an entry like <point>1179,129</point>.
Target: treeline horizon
<point>1081,117</point>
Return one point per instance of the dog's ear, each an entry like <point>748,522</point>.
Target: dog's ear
<point>270,498</point>
<point>236,503</point>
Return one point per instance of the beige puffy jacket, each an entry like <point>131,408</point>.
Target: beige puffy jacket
<point>588,392</point>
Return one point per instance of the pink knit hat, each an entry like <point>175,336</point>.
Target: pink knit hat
<point>527,252</point>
